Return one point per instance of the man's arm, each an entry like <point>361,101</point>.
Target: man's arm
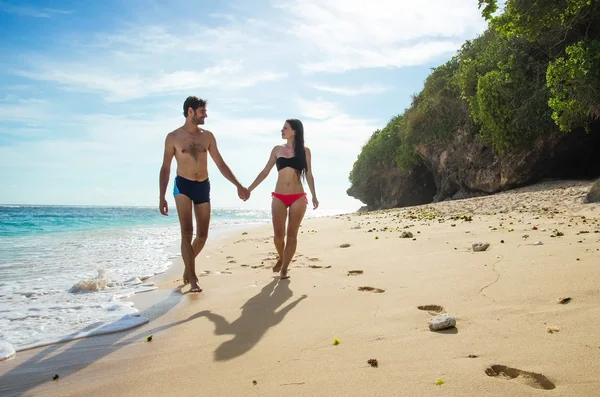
<point>165,172</point>
<point>221,165</point>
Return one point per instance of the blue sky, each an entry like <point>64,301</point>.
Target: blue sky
<point>89,90</point>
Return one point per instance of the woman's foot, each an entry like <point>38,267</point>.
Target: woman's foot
<point>195,287</point>
<point>284,274</point>
<point>277,266</point>
<point>186,280</point>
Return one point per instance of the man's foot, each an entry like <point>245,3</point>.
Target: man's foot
<point>277,266</point>
<point>195,287</point>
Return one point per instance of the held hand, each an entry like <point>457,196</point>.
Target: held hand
<point>243,193</point>
<point>163,207</point>
<point>315,203</point>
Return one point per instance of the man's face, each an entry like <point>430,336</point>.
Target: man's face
<point>199,115</point>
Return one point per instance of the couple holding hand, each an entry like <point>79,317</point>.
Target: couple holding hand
<point>189,144</point>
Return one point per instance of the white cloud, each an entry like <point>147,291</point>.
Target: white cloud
<point>320,36</point>
<point>126,86</point>
<point>34,12</point>
<point>319,109</point>
<point>365,89</point>
<point>341,35</point>
<point>25,110</point>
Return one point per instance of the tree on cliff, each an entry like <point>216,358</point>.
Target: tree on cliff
<point>535,70</point>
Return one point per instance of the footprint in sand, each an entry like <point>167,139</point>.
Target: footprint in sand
<point>432,309</point>
<point>319,267</point>
<point>354,272</point>
<point>537,381</point>
<point>371,289</point>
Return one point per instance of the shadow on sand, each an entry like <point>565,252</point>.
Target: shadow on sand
<point>78,354</point>
<point>258,315</point>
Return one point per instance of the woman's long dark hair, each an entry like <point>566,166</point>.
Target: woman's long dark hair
<point>299,152</point>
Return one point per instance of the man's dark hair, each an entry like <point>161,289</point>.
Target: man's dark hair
<point>192,102</point>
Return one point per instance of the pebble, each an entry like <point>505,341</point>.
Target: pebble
<point>443,321</point>
<point>479,247</point>
<point>538,243</point>
<point>406,234</point>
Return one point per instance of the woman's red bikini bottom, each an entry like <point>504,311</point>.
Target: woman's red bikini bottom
<point>289,199</point>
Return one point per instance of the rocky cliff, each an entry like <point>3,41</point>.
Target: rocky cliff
<point>463,167</point>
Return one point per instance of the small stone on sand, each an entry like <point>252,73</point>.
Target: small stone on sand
<point>480,247</point>
<point>564,301</point>
<point>443,321</point>
<point>345,245</point>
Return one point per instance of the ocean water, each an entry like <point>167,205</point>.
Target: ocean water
<point>67,272</point>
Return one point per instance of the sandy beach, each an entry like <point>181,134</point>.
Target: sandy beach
<point>250,334</point>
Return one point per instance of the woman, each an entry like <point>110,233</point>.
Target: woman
<point>293,161</point>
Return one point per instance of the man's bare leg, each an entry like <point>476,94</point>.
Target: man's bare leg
<point>202,212</point>
<point>297,210</point>
<point>184,211</point>
<point>279,215</point>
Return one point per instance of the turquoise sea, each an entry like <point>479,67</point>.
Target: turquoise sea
<point>67,272</point>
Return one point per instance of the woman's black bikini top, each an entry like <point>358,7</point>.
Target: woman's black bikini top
<point>293,162</point>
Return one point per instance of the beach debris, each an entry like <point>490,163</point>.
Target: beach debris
<point>538,243</point>
<point>472,356</point>
<point>354,272</point>
<point>564,300</point>
<point>534,228</point>
<point>371,289</point>
<point>55,377</point>
<point>552,330</point>
<point>373,362</point>
<point>254,383</point>
<point>376,237</point>
<point>480,247</point>
<point>502,241</point>
<point>345,245</point>
<point>439,381</point>
<point>442,321</point>
<point>336,341</point>
<point>244,233</point>
<point>431,309</point>
<point>526,236</point>
<point>149,338</point>
<point>556,233</point>
<point>406,234</point>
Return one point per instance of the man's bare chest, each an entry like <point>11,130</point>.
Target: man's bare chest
<point>193,147</point>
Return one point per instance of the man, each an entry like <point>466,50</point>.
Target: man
<point>190,144</point>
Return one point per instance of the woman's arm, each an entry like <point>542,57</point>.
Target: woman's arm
<point>265,172</point>
<point>310,179</point>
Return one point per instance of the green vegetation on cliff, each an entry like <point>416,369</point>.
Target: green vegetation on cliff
<point>535,70</point>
